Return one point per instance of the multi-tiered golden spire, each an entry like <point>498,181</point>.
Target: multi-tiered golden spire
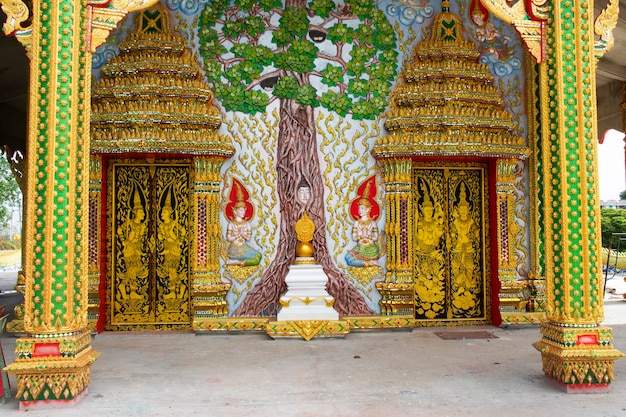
<point>153,98</point>
<point>445,102</point>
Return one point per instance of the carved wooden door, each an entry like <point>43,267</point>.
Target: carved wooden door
<point>451,244</point>
<point>149,246</point>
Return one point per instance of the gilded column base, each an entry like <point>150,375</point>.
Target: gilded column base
<point>52,370</point>
<point>307,329</point>
<point>396,299</point>
<point>511,297</point>
<point>578,359</point>
<point>209,303</point>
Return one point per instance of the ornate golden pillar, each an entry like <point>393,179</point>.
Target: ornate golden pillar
<point>209,291</point>
<point>94,253</point>
<point>576,352</point>
<point>397,289</point>
<point>54,356</point>
<point>511,296</point>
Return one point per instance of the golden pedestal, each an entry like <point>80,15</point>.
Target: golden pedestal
<point>579,359</point>
<point>307,329</point>
<point>52,370</point>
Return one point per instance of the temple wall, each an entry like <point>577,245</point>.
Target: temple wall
<point>345,143</point>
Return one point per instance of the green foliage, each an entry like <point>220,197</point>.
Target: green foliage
<point>244,4</point>
<point>365,33</point>
<point>235,62</point>
<point>212,11</point>
<point>299,57</point>
<point>10,193</point>
<point>254,26</point>
<point>359,87</point>
<point>294,25</point>
<point>362,8</point>
<point>331,75</point>
<point>341,33</point>
<point>307,96</point>
<point>213,71</point>
<point>336,102</point>
<point>251,26</point>
<point>322,7</point>
<point>287,87</point>
<point>613,221</point>
<point>622,195</point>
<point>267,5</point>
<point>211,45</point>
<point>246,70</point>
<point>260,55</point>
<point>237,98</point>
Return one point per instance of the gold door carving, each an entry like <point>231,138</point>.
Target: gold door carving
<point>451,245</point>
<point>149,280</point>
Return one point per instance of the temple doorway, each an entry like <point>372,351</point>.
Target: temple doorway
<point>452,274</point>
<point>148,235</point>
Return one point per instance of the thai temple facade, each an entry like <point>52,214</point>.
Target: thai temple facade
<point>309,168</point>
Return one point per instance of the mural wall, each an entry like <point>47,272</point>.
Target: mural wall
<point>303,94</point>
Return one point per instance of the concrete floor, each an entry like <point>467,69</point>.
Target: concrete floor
<point>391,373</point>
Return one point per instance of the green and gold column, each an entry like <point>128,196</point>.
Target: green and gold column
<point>576,352</point>
<point>54,357</point>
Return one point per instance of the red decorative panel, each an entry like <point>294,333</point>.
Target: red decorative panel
<point>46,349</point>
<point>587,339</point>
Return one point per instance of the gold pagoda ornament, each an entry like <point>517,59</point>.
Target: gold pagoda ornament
<point>445,102</point>
<point>304,231</point>
<point>153,97</point>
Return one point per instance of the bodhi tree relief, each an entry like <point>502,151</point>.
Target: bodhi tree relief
<point>305,55</point>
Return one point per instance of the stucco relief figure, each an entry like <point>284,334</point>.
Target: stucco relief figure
<point>239,212</point>
<point>133,235</point>
<point>171,236</point>
<point>365,210</point>
<point>491,40</point>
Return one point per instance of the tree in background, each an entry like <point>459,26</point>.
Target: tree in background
<point>10,194</point>
<point>613,221</point>
<point>622,195</point>
<point>259,52</point>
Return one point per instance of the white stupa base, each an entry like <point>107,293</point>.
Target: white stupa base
<point>306,297</point>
